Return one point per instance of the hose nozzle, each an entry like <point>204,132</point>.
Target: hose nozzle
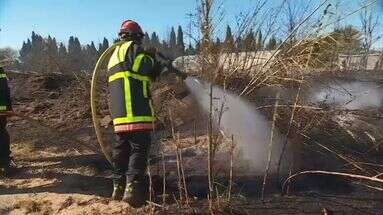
<point>179,73</point>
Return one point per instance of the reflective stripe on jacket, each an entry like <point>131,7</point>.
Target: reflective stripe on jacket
<point>129,76</point>
<point>134,127</point>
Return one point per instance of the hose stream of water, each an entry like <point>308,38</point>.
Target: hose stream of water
<point>237,117</point>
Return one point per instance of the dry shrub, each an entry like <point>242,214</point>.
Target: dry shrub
<point>313,128</point>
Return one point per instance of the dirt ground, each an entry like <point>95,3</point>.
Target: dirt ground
<point>58,175</point>
<point>53,179</point>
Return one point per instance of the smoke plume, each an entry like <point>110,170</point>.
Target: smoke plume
<point>349,95</point>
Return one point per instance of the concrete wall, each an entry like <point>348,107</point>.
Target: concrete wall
<point>374,61</point>
<point>242,60</point>
<point>255,60</point>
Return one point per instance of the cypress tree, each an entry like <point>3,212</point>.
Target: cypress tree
<point>239,44</point>
<point>272,44</point>
<point>180,41</point>
<point>190,50</point>
<point>146,40</point>
<point>105,44</point>
<point>155,41</point>
<point>172,39</point>
<point>229,39</point>
<point>172,53</point>
<point>75,54</point>
<point>92,55</point>
<point>51,55</point>
<point>37,53</point>
<point>260,44</point>
<point>25,56</point>
<point>63,58</point>
<point>249,42</point>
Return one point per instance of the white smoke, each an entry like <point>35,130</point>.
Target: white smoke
<point>354,95</point>
<point>250,128</point>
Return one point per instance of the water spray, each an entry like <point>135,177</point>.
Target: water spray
<point>235,116</point>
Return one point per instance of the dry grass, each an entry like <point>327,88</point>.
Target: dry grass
<point>245,73</point>
<point>286,68</point>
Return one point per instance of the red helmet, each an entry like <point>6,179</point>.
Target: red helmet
<point>131,27</point>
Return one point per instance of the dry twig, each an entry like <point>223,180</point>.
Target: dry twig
<point>270,146</point>
<point>352,176</point>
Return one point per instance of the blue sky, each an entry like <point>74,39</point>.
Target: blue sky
<point>91,20</point>
<point>87,19</point>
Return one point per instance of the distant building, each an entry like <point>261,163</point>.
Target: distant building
<point>256,60</point>
<point>359,62</point>
<point>240,60</point>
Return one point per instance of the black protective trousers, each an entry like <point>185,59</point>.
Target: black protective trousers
<point>5,151</point>
<point>130,155</point>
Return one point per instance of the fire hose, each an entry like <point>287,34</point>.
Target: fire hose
<point>93,103</point>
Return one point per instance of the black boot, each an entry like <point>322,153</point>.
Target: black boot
<point>118,189</point>
<point>135,194</point>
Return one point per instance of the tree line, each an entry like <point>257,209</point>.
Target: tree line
<point>251,41</point>
<point>47,55</point>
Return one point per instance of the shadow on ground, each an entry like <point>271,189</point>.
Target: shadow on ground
<point>82,174</point>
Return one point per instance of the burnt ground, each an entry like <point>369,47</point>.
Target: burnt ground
<point>61,175</point>
<point>57,177</point>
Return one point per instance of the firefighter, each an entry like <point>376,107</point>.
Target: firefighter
<point>5,110</point>
<point>130,71</point>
